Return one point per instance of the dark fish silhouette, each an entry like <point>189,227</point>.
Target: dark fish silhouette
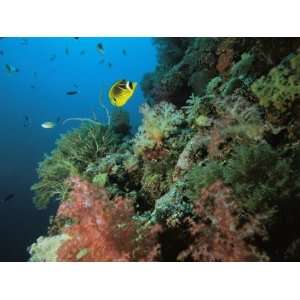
<point>100,48</point>
<point>82,52</point>
<point>34,74</point>
<point>32,86</point>
<point>76,38</point>
<point>72,93</point>
<point>27,121</point>
<point>67,52</point>
<point>110,65</point>
<point>52,57</point>
<point>11,69</point>
<point>1,52</point>
<point>8,197</point>
<point>124,52</point>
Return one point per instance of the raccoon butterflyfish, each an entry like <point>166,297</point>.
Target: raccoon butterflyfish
<point>121,91</point>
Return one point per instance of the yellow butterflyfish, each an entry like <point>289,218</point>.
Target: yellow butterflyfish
<point>121,91</point>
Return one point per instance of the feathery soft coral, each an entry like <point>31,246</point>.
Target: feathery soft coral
<point>103,230</point>
<point>217,232</point>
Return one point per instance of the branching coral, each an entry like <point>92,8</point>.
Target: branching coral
<point>218,232</point>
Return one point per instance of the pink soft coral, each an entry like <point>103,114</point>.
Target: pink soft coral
<point>217,233</point>
<point>103,230</point>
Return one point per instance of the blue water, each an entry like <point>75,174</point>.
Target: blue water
<point>38,91</point>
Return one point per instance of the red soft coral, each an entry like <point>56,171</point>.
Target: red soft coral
<point>218,233</point>
<point>103,230</point>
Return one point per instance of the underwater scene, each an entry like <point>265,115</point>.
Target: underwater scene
<point>150,149</point>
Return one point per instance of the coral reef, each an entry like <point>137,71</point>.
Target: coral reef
<point>212,173</point>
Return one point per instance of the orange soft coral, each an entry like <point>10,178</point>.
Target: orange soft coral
<point>103,230</point>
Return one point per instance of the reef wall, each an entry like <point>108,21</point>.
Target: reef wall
<point>211,175</point>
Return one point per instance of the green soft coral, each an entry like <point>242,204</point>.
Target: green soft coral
<point>281,87</point>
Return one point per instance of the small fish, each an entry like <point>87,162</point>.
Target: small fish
<point>34,74</point>
<point>121,91</point>
<point>100,48</point>
<point>11,69</point>
<point>82,52</point>
<point>101,61</point>
<point>67,52</point>
<point>27,121</point>
<point>52,57</point>
<point>76,38</point>
<point>72,93</point>
<point>32,86</point>
<point>109,65</point>
<point>1,52</point>
<point>8,197</point>
<point>48,125</point>
<point>124,52</point>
